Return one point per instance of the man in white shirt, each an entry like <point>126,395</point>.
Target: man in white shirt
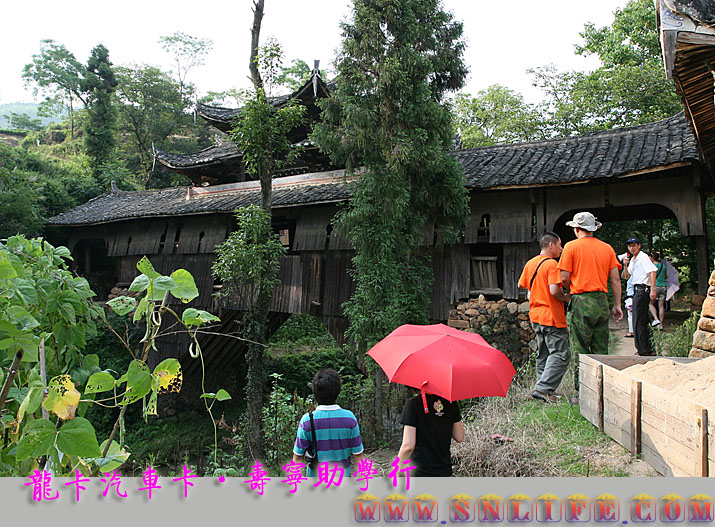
<point>637,264</point>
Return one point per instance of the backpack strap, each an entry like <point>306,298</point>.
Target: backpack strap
<point>531,284</point>
<point>315,440</point>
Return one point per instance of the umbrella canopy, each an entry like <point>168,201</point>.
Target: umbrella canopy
<point>443,361</point>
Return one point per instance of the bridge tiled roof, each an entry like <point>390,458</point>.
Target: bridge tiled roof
<point>597,156</point>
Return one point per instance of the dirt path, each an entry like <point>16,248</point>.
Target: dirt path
<point>627,346</point>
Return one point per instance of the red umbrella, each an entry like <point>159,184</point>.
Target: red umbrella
<point>443,361</point>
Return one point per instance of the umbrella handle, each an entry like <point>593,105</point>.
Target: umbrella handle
<point>424,397</point>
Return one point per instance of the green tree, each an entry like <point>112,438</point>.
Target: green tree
<point>629,88</point>
<point>57,74</point>
<point>22,121</point>
<point>99,83</point>
<point>398,61</point>
<point>188,53</point>
<point>496,115</point>
<point>297,74</point>
<point>152,110</point>
<point>260,132</point>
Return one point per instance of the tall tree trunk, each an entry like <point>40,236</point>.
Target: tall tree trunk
<point>255,34</point>
<point>259,312</point>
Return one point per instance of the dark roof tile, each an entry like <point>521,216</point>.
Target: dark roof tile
<point>599,155</point>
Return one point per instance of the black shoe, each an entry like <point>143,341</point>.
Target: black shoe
<point>544,397</point>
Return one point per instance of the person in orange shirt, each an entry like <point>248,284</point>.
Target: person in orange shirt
<point>586,265</point>
<point>542,279</point>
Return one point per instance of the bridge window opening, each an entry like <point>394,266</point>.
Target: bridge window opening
<point>177,235</point>
<point>483,229</point>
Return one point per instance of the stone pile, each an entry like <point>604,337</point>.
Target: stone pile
<point>704,337</point>
<point>503,324</point>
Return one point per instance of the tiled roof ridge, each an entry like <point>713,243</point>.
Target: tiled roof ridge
<point>613,132</point>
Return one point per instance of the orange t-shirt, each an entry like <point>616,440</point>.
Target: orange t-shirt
<point>544,309</point>
<point>589,260</point>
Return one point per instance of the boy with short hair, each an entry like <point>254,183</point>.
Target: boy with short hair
<point>336,429</point>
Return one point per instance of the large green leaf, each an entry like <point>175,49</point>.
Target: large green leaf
<point>140,283</point>
<point>31,403</point>
<point>25,289</point>
<point>21,316</point>
<point>62,252</point>
<point>164,283</point>
<point>67,312</point>
<point>78,438</point>
<point>7,270</point>
<point>99,382</point>
<point>82,287</point>
<point>185,289</point>
<point>141,309</point>
<point>122,305</point>
<point>138,381</point>
<point>197,317</point>
<point>37,439</point>
<point>115,458</point>
<point>145,267</point>
<point>222,395</point>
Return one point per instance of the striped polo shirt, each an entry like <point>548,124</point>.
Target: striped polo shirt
<point>337,433</point>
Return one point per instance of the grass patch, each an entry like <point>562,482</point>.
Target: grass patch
<point>544,440</point>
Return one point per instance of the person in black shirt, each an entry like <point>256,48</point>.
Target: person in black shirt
<point>427,436</point>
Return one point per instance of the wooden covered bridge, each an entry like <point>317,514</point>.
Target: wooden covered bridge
<point>516,192</point>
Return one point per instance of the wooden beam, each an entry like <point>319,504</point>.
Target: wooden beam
<point>636,390</point>
<point>701,447</point>
<point>599,397</point>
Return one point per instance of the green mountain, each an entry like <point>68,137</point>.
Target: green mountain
<point>27,108</point>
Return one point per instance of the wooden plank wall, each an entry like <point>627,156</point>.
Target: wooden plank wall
<point>451,267</point>
<point>338,285</point>
<point>510,215</point>
<point>311,230</point>
<point>515,257</point>
<point>288,294</point>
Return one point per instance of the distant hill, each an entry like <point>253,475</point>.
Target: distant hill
<point>29,108</point>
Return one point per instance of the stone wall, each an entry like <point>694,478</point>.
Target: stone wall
<point>704,337</point>
<point>503,324</point>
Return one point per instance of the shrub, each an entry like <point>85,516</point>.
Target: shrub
<point>679,342</point>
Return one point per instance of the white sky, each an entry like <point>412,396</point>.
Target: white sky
<point>504,39</point>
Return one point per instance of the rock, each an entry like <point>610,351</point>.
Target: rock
<point>471,312</point>
<point>482,298</point>
<point>502,301</point>
<point>707,324</point>
<point>524,324</point>
<point>482,319</point>
<point>523,307</point>
<point>483,310</point>
<point>525,351</point>
<point>700,354</point>
<point>708,307</point>
<point>532,345</point>
<point>460,324</point>
<point>697,300</point>
<point>523,316</point>
<point>512,307</point>
<point>712,279</point>
<point>704,340</point>
<point>711,290</point>
<point>462,307</point>
<point>452,313</point>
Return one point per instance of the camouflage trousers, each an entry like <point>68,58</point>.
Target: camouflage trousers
<point>588,326</point>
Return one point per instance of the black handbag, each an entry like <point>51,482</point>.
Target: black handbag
<point>311,453</point>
